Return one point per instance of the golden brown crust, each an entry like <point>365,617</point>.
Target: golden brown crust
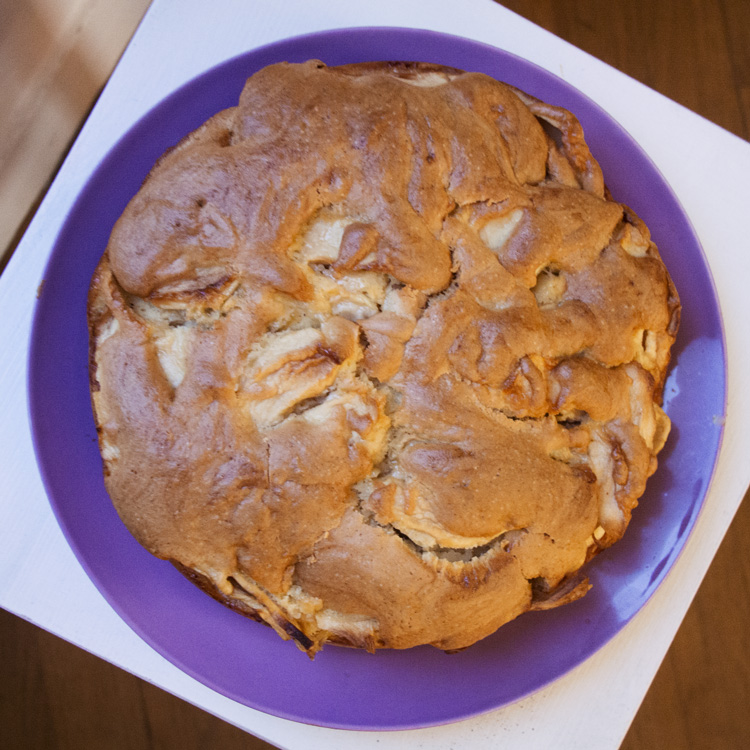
<point>375,357</point>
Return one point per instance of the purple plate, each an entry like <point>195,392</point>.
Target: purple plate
<point>345,688</point>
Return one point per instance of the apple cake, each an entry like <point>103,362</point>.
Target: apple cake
<point>376,358</point>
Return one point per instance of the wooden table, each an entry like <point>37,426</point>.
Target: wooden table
<point>54,59</point>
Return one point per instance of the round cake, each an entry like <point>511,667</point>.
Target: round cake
<point>377,359</point>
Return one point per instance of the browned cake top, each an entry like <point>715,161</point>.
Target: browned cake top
<point>376,359</point>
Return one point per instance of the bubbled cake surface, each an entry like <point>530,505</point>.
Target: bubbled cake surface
<point>375,357</point>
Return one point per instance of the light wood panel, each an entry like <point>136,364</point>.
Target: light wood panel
<point>55,55</point>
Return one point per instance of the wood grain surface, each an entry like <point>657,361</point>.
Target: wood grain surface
<point>55,55</point>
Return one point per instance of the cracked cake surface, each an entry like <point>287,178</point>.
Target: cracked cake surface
<point>376,358</point>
